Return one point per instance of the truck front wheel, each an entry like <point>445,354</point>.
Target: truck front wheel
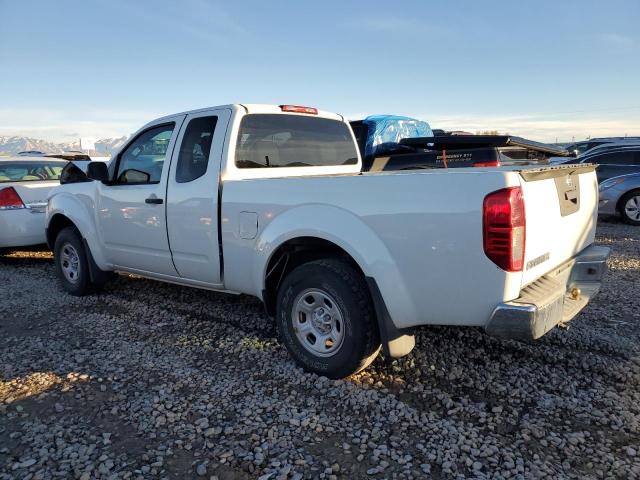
<point>70,261</point>
<point>326,319</point>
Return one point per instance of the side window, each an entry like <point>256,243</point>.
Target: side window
<point>615,158</point>
<point>276,140</point>
<point>195,148</point>
<point>142,160</point>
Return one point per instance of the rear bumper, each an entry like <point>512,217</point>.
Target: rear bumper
<point>607,206</point>
<point>21,228</point>
<point>553,299</point>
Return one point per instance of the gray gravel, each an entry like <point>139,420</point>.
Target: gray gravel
<point>151,380</point>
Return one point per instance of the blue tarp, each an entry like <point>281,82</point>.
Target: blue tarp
<point>385,131</point>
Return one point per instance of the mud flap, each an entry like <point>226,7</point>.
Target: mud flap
<point>396,343</point>
<point>97,276</point>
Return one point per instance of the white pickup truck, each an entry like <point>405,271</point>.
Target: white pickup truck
<point>270,201</point>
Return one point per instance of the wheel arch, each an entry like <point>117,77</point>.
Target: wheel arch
<point>619,205</point>
<point>330,231</point>
<point>294,252</point>
<point>65,210</point>
<point>57,223</point>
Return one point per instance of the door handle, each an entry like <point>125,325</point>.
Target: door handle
<point>154,200</point>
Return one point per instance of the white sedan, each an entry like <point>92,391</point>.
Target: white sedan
<point>24,187</point>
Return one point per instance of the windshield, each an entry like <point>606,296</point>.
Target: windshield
<point>29,171</point>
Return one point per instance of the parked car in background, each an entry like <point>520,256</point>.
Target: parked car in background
<point>584,146</point>
<point>31,153</point>
<point>272,201</point>
<point>621,196</point>
<point>69,155</point>
<point>612,160</point>
<point>25,183</point>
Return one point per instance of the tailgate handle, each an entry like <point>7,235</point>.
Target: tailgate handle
<point>571,196</point>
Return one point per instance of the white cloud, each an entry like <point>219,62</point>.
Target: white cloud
<point>616,39</point>
<point>198,18</point>
<point>544,129</point>
<point>395,25</point>
<point>62,126</point>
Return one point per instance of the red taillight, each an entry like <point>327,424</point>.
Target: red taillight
<point>9,199</point>
<point>299,109</point>
<point>503,224</point>
<point>492,163</point>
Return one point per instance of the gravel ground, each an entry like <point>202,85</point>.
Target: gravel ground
<point>151,380</point>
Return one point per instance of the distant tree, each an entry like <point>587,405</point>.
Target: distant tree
<point>490,132</point>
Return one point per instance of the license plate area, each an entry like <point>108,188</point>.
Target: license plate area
<point>568,190</point>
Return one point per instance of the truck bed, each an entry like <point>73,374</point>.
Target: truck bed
<point>429,226</point>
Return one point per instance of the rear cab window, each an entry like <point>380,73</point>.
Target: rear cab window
<point>281,141</point>
<point>193,158</point>
<point>30,171</point>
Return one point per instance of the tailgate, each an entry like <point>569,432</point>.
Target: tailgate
<point>561,205</point>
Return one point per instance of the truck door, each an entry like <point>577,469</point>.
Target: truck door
<point>131,209</point>
<point>192,196</point>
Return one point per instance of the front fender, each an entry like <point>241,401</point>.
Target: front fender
<point>79,208</point>
<point>350,233</point>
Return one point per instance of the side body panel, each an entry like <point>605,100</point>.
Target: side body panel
<point>418,234</point>
<point>610,197</point>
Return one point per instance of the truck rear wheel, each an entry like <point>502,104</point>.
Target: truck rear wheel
<point>326,319</point>
<point>71,264</point>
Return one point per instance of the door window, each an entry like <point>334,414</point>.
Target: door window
<point>195,148</point>
<point>614,158</point>
<point>143,159</point>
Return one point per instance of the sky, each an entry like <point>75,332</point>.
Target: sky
<point>542,69</point>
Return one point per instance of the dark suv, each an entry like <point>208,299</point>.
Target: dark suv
<point>584,146</point>
<point>613,161</point>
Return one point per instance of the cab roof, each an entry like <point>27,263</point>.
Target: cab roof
<point>257,108</point>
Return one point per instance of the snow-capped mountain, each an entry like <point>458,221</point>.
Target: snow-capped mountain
<point>106,146</point>
<point>14,144</point>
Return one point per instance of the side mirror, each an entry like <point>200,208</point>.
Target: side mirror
<point>98,171</point>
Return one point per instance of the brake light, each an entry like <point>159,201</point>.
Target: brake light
<point>299,109</point>
<point>10,200</point>
<point>504,228</point>
<point>492,163</point>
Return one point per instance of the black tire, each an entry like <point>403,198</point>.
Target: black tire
<point>80,283</point>
<point>621,207</point>
<point>360,342</point>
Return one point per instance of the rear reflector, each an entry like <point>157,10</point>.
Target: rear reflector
<point>299,109</point>
<point>493,163</point>
<point>10,200</point>
<point>504,228</point>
